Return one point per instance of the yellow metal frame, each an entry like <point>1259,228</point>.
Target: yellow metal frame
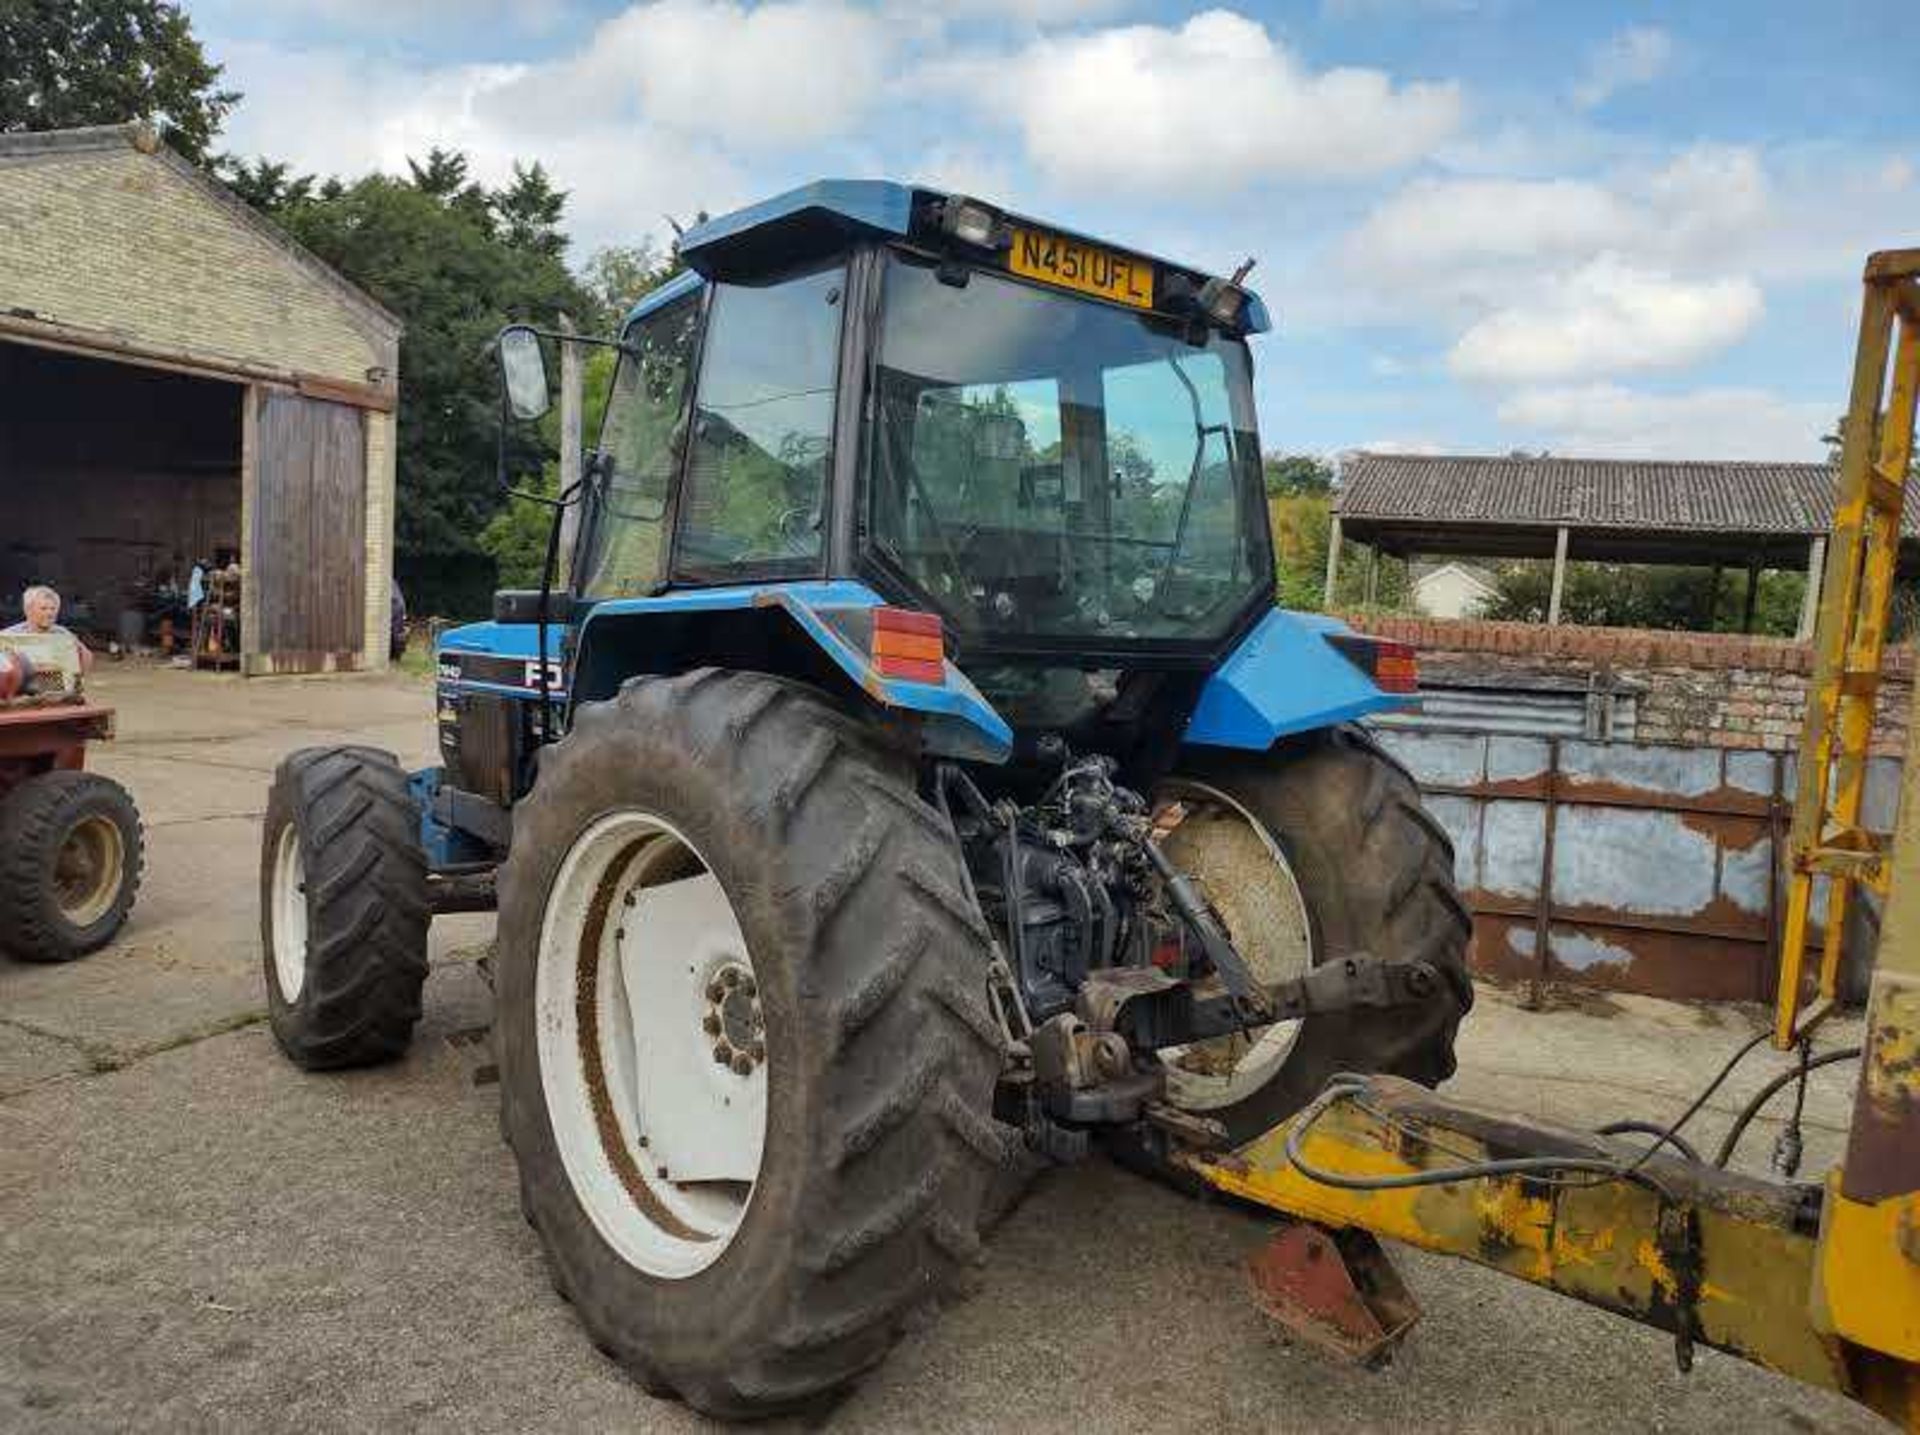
<point>1722,1259</point>
<point>1710,1256</point>
<point>1863,553</point>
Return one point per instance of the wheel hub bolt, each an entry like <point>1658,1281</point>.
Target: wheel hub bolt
<point>742,1064</point>
<point>716,990</point>
<point>710,1023</point>
<point>723,1053</point>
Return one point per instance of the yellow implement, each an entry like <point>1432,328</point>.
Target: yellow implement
<point>1818,1281</point>
<point>1863,553</point>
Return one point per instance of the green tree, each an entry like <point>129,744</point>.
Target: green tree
<point>267,186</point>
<point>1625,595</point>
<point>618,275</point>
<point>1296,473</point>
<point>101,62</point>
<point>434,258</point>
<point>529,211</point>
<point>1302,524</point>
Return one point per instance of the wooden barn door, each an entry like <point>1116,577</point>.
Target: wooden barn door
<point>309,560</point>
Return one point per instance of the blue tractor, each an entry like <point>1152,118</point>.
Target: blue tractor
<point>903,780</point>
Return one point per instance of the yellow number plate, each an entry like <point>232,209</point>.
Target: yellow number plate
<point>1055,259</point>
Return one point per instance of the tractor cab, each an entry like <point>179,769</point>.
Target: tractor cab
<point>1044,444</point>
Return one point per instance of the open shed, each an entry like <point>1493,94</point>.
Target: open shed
<point>1750,516</point>
<point>182,384</point>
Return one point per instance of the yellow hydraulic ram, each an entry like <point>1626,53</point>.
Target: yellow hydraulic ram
<point>1744,1265</point>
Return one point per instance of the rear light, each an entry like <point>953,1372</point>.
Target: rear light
<point>909,645</point>
<point>1394,667</point>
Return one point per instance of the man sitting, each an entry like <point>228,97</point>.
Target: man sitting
<point>42,607</point>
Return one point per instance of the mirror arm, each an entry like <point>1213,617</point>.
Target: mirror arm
<point>561,337</point>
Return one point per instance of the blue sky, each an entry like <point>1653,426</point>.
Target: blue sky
<point>1481,224</point>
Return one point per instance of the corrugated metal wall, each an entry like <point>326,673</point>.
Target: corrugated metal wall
<point>1614,865</point>
<point>1550,712</point>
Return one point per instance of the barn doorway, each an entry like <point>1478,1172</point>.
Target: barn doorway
<point>115,481</point>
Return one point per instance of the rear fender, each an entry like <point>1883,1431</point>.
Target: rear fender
<point>815,632</point>
<point>1285,678</point>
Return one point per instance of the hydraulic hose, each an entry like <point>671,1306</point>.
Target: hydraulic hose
<point>1772,1089</point>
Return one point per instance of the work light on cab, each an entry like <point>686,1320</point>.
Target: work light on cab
<point>973,223</point>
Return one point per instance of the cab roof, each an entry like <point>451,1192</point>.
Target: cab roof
<point>825,216</point>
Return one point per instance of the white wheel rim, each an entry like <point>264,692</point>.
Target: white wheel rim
<point>643,985</point>
<point>289,915</point>
<point>1277,942</point>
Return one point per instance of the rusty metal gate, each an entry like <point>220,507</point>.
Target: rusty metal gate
<point>1616,865</point>
<point>308,562</point>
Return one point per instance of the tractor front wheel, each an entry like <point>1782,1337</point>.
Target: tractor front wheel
<point>343,908</point>
<point>746,1058</point>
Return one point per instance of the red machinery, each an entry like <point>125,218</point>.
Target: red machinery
<point>70,844</point>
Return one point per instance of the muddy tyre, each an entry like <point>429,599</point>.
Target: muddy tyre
<point>343,908</point>
<point>749,1224</point>
<point>70,863</point>
<point>1361,867</point>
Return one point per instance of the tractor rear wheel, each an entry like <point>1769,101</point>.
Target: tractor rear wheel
<point>343,907</point>
<point>1318,849</point>
<point>70,858</point>
<point>747,1062</point>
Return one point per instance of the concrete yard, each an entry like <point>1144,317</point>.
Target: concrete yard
<point>195,1235</point>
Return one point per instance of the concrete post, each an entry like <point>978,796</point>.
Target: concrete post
<point>1816,576</point>
<point>1333,561</point>
<point>1559,577</point>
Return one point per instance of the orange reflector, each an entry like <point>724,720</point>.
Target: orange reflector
<point>909,645</point>
<point>1394,667</point>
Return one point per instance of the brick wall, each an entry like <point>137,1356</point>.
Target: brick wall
<point>380,511</point>
<point>120,242</point>
<point>1710,689</point>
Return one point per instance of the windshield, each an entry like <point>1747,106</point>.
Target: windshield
<point>1046,466</point>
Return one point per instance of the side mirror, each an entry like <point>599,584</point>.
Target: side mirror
<point>524,370</point>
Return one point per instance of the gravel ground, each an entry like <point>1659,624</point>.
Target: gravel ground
<point>194,1235</point>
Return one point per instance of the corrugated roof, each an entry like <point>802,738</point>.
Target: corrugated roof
<point>1455,491</point>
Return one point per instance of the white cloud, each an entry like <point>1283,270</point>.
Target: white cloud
<point>961,169</point>
<point>1436,223</point>
<point>386,18</point>
<point>1474,234</point>
<point>777,76</point>
<point>354,116</point>
<point>1038,12</point>
<point>1638,55</point>
<point>1608,317</point>
<point>1210,106</point>
<point>1606,420</point>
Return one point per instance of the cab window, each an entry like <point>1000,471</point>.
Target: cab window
<point>756,488</point>
<point>641,439</point>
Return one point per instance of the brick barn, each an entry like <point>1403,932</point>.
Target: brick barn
<point>180,384</point>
